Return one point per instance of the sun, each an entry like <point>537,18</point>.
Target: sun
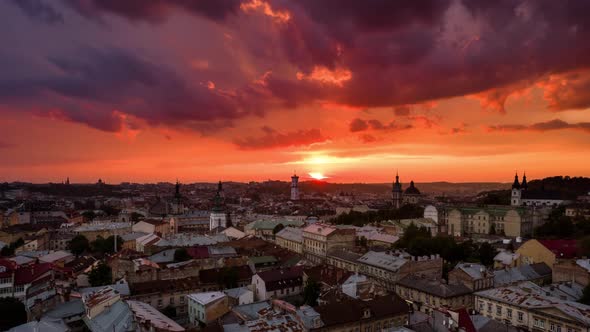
<point>317,175</point>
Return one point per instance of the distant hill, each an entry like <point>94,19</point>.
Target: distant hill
<point>567,187</point>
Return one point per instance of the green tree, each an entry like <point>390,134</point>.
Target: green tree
<point>181,255</point>
<point>135,217</point>
<point>363,241</point>
<point>586,295</point>
<point>169,312</point>
<point>89,215</point>
<point>13,313</point>
<point>228,278</point>
<point>311,292</point>
<point>9,249</point>
<point>100,275</point>
<point>78,245</point>
<point>486,254</point>
<point>278,228</point>
<point>106,246</point>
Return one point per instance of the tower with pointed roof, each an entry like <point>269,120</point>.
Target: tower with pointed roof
<point>177,206</point>
<point>396,192</point>
<point>218,218</point>
<point>516,199</point>
<point>294,187</point>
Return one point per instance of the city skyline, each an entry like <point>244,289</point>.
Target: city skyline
<point>454,91</point>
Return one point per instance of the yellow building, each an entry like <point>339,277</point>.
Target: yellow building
<point>546,251</point>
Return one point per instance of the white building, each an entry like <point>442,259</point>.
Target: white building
<point>206,307</point>
<point>527,306</point>
<point>278,283</point>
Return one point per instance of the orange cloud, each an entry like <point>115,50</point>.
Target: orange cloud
<point>324,75</point>
<point>281,16</point>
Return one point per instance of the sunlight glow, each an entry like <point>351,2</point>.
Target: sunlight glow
<point>317,175</point>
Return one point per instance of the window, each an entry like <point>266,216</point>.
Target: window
<point>159,302</point>
<point>489,307</point>
<point>509,313</point>
<point>481,305</point>
<point>552,327</point>
<point>520,316</point>
<point>539,323</point>
<point>181,299</point>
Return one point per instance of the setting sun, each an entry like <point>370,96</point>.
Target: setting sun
<point>317,176</point>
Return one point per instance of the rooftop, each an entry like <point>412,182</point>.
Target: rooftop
<point>434,287</point>
<point>291,234</point>
<point>145,313</point>
<point>390,261</point>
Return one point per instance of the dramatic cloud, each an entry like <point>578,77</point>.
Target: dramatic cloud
<point>39,10</point>
<point>568,91</point>
<point>89,87</point>
<point>274,139</point>
<point>555,124</point>
<point>358,125</point>
<point>155,11</point>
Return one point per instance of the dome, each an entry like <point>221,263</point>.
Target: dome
<point>412,190</point>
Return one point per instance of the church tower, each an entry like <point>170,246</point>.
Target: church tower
<point>517,191</point>
<point>396,193</point>
<point>294,187</point>
<point>177,204</point>
<point>218,216</point>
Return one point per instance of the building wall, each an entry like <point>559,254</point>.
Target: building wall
<point>532,251</point>
<point>455,226</point>
<point>568,270</point>
<point>426,302</point>
<point>289,244</point>
<point>368,324</point>
<point>524,318</point>
<point>460,276</point>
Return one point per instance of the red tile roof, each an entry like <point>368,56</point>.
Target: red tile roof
<point>199,252</point>
<point>561,248</point>
<point>28,274</point>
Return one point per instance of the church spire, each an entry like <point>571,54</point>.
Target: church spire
<point>524,185</point>
<point>516,184</point>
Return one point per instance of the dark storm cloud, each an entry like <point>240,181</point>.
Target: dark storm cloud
<point>373,124</point>
<point>39,10</point>
<point>275,139</point>
<point>155,11</point>
<point>437,49</point>
<point>88,86</point>
<point>555,124</point>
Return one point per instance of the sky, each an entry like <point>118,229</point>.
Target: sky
<point>250,90</point>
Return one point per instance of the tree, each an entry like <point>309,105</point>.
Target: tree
<point>9,249</point>
<point>100,275</point>
<point>278,228</point>
<point>78,245</point>
<point>181,255</point>
<point>169,312</point>
<point>586,295</point>
<point>487,254</point>
<point>493,229</point>
<point>135,217</point>
<point>88,215</point>
<point>363,241</point>
<point>106,246</point>
<point>228,278</point>
<point>13,313</point>
<point>311,292</point>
